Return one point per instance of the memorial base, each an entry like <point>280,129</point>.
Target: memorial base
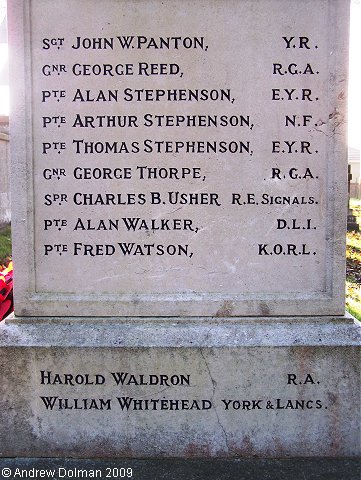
<point>180,387</point>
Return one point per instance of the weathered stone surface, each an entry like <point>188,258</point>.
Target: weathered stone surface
<point>255,227</point>
<point>188,394</point>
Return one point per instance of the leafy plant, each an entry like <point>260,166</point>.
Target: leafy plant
<point>5,246</point>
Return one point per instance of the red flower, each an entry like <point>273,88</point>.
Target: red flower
<point>6,291</point>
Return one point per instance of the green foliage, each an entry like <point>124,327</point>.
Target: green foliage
<point>353,266</point>
<point>5,245</point>
<point>353,299</point>
<point>355,312</point>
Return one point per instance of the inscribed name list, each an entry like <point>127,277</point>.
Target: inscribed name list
<point>180,147</point>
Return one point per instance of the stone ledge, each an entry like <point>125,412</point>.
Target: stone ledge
<point>140,332</point>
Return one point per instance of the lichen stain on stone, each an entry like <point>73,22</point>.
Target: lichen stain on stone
<point>335,422</point>
<point>243,448</point>
<point>194,450</point>
<point>264,309</point>
<point>226,309</point>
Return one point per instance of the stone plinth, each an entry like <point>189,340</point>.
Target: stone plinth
<point>180,389</point>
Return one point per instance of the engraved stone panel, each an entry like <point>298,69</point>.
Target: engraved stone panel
<point>181,158</point>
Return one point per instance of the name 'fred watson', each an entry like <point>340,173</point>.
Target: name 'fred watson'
<point>131,249</point>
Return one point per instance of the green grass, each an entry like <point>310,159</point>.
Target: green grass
<point>353,264</point>
<point>5,245</point>
<point>354,309</point>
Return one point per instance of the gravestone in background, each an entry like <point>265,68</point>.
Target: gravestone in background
<point>179,230</point>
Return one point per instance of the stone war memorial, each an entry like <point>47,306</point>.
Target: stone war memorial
<point>179,206</point>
